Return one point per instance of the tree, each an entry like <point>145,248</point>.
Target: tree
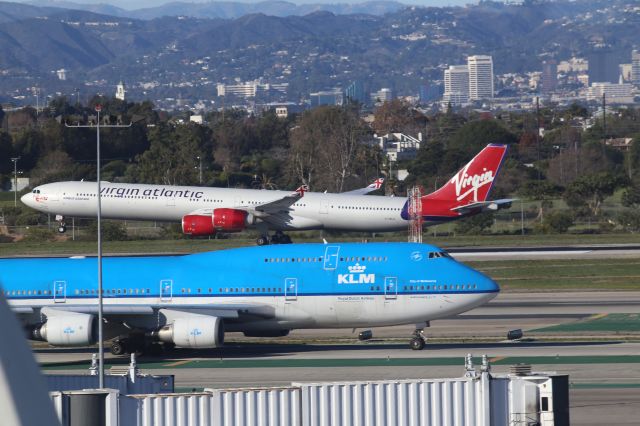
<point>397,116</point>
<point>591,190</point>
<point>475,135</point>
<point>6,151</point>
<point>327,139</point>
<point>475,224</point>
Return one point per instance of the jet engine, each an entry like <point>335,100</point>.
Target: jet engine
<point>222,220</point>
<point>66,330</point>
<point>194,331</point>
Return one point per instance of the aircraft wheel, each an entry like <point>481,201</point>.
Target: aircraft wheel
<point>262,241</point>
<point>417,344</point>
<point>117,347</point>
<point>62,229</point>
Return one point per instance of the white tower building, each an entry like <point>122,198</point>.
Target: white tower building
<point>635,67</point>
<point>456,85</point>
<point>120,91</point>
<point>480,77</point>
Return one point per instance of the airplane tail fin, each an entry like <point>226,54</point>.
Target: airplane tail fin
<point>473,182</point>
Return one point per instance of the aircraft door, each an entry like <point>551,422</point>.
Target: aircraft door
<point>59,291</point>
<point>390,288</point>
<point>166,290</point>
<point>324,206</point>
<point>331,258</point>
<point>291,289</point>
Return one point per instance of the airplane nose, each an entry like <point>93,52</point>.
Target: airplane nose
<point>26,199</point>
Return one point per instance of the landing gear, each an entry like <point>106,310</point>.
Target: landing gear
<point>417,342</point>
<point>118,347</point>
<point>278,238</point>
<point>62,226</point>
<point>135,342</point>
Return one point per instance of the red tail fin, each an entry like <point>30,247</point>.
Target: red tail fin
<point>474,181</point>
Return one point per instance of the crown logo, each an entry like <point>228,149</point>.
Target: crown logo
<point>357,269</point>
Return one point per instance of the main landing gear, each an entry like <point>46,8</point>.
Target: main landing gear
<point>62,226</point>
<point>278,238</point>
<point>138,343</point>
<point>418,340</point>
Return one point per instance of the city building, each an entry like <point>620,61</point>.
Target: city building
<point>603,68</point>
<point>635,67</point>
<point>327,97</point>
<point>480,77</point>
<point>456,85</point>
<point>250,89</point>
<point>355,93</point>
<point>398,146</point>
<point>381,96</point>
<point>120,91</point>
<point>430,92</point>
<point>614,93</point>
<point>549,76</point>
<point>573,65</point>
<point>62,74</point>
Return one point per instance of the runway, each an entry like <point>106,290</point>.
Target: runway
<point>604,367</point>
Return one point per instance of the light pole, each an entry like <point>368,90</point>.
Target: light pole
<point>100,310</point>
<point>15,181</point>
<point>200,169</point>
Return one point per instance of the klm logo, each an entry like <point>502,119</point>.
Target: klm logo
<point>196,332</point>
<point>68,330</point>
<point>356,276</point>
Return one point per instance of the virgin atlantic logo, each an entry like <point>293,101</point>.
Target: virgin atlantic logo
<point>466,184</point>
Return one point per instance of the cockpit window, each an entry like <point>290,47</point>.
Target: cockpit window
<point>36,191</point>
<point>438,254</point>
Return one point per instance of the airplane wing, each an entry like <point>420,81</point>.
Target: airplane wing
<point>376,184</point>
<point>492,205</point>
<point>276,206</point>
<point>267,209</point>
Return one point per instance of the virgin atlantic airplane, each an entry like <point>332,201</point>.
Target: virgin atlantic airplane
<point>206,211</point>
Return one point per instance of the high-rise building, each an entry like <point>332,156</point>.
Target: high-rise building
<point>480,77</point>
<point>331,97</point>
<point>549,76</point>
<point>355,93</point>
<point>456,85</point>
<point>603,68</point>
<point>430,92</point>
<point>381,96</point>
<point>635,67</point>
<point>120,92</point>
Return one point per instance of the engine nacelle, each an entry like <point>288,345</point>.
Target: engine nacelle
<point>196,331</point>
<point>197,225</point>
<point>66,330</point>
<point>229,220</point>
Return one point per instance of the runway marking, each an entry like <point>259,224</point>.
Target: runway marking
<point>597,316</point>
<point>497,358</point>
<point>178,363</point>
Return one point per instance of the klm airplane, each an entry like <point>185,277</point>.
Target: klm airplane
<point>191,300</point>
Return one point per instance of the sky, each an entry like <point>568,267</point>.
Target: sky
<point>137,4</point>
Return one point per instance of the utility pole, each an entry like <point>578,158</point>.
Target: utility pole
<point>604,120</point>
<point>15,181</point>
<point>199,169</point>
<point>100,292</point>
<point>538,135</point>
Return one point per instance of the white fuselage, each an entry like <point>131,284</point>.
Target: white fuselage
<point>160,203</point>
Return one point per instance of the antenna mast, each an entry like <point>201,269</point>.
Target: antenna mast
<point>415,214</point>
